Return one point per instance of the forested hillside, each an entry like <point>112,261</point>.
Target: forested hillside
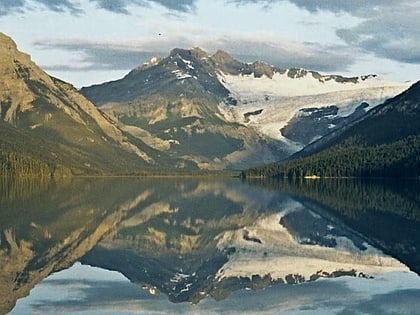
<point>396,159</point>
<point>23,154</point>
<point>384,143</point>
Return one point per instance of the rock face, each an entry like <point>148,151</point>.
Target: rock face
<point>174,124</point>
<point>189,110</point>
<point>395,120</point>
<point>242,111</point>
<point>172,105</point>
<point>75,132</point>
<point>181,75</point>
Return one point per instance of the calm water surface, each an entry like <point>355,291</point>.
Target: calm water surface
<point>209,246</point>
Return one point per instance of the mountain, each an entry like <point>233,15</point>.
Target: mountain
<point>172,105</point>
<point>57,223</point>
<point>192,238</point>
<point>183,74</point>
<point>48,121</point>
<point>297,106</point>
<point>195,239</point>
<point>219,112</point>
<point>394,120</point>
<point>186,111</point>
<point>384,142</point>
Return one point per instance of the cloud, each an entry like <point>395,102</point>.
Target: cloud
<point>396,302</point>
<point>122,6</point>
<point>126,55</point>
<point>342,296</point>
<point>107,55</point>
<point>12,6</point>
<point>391,33</point>
<point>94,56</point>
<point>8,6</point>
<point>117,6</point>
<point>388,28</point>
<point>61,5</point>
<point>289,54</point>
<point>354,7</point>
<point>180,5</point>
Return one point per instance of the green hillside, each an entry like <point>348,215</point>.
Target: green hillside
<point>48,127</point>
<point>386,142</point>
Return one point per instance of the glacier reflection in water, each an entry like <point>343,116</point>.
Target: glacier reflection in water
<point>225,247</point>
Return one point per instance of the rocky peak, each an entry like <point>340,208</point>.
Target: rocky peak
<point>261,68</point>
<point>199,53</point>
<point>368,76</point>
<point>180,52</point>
<point>16,65</point>
<point>16,70</point>
<point>10,56</point>
<point>296,73</point>
<point>226,63</point>
<point>30,99</point>
<point>222,57</point>
<point>185,59</point>
<point>152,62</point>
<point>6,44</point>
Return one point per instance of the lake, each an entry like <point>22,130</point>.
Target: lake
<point>209,246</point>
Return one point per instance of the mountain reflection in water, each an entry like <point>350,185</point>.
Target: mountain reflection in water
<point>197,238</point>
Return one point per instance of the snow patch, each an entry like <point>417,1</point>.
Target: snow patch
<point>178,277</point>
<point>281,98</point>
<point>35,126</point>
<point>152,62</point>
<point>181,75</point>
<point>281,85</point>
<point>188,63</point>
<point>280,254</point>
<point>173,141</point>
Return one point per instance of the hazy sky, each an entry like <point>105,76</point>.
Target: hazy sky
<point>92,291</point>
<point>92,41</point>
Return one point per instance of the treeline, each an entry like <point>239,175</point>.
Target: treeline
<point>24,155</point>
<point>355,197</point>
<point>386,211</point>
<point>397,159</point>
<point>14,188</point>
<point>165,172</point>
<point>21,165</point>
<point>12,163</point>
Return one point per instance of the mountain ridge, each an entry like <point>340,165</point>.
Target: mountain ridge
<point>188,110</point>
<point>74,131</point>
<point>175,69</point>
<point>383,143</point>
<point>271,103</point>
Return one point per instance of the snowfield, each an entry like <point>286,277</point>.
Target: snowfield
<point>268,104</point>
<point>270,249</point>
<point>281,85</point>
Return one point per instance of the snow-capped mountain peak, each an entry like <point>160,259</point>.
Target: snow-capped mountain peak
<point>288,107</point>
<point>271,100</point>
<point>294,82</point>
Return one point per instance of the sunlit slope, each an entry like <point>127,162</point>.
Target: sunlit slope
<point>76,134</point>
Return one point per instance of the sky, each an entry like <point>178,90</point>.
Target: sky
<point>94,41</point>
<point>92,291</point>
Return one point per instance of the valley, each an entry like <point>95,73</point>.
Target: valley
<point>189,111</point>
